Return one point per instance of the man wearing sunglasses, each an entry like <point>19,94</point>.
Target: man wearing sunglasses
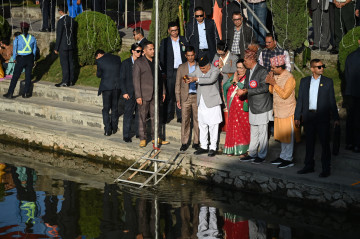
<point>138,34</point>
<point>315,105</point>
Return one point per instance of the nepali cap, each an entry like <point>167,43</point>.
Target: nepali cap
<point>203,61</point>
<point>24,25</point>
<point>277,60</point>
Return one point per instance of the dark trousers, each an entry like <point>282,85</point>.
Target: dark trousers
<point>321,129</point>
<point>129,109</point>
<point>99,6</point>
<point>170,100</point>
<point>67,66</point>
<point>147,107</point>
<point>48,11</point>
<point>110,102</point>
<point>22,62</point>
<point>352,121</point>
<point>344,22</point>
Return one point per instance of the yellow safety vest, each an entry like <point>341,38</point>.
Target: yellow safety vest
<point>27,48</point>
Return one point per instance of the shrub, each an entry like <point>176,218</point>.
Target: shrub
<point>5,29</point>
<point>290,22</point>
<point>95,31</point>
<point>348,44</point>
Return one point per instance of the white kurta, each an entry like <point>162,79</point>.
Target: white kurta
<point>207,115</point>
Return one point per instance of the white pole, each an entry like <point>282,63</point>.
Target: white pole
<point>126,14</point>
<point>156,87</point>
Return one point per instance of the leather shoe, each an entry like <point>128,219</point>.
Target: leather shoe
<point>211,153</point>
<point>26,95</point>
<point>196,146</point>
<point>142,143</point>
<point>114,131</point>
<point>161,142</point>
<point>61,84</point>
<point>306,170</point>
<point>324,174</point>
<point>179,120</point>
<point>127,140</point>
<point>200,151</point>
<point>9,96</point>
<point>43,30</point>
<point>183,147</point>
<point>107,133</point>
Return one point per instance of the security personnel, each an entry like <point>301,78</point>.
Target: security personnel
<point>24,52</point>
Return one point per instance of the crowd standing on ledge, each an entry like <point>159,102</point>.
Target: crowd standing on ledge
<point>204,81</point>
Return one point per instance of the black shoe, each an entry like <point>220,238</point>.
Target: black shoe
<point>183,147</point>
<point>211,153</point>
<point>127,140</point>
<point>306,170</point>
<point>258,160</point>
<point>26,95</point>
<point>61,85</point>
<point>324,174</point>
<point>247,158</point>
<point>196,146</point>
<point>200,151</point>
<point>43,30</point>
<point>71,84</point>
<point>107,133</point>
<point>9,96</point>
<point>277,161</point>
<point>334,51</point>
<point>179,120</point>
<point>114,131</point>
<point>286,164</point>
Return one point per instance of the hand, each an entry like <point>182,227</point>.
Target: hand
<point>37,2</point>
<point>56,52</point>
<point>270,79</point>
<point>191,79</point>
<point>241,92</point>
<point>164,97</point>
<point>236,77</point>
<point>357,12</point>
<point>221,63</point>
<point>297,123</point>
<point>178,105</point>
<point>336,123</point>
<point>126,96</point>
<point>139,101</point>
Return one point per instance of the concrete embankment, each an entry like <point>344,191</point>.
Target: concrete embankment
<point>69,120</point>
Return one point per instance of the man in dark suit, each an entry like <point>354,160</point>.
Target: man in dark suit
<point>127,89</point>
<point>143,79</point>
<point>172,54</point>
<point>64,46</point>
<point>315,104</point>
<point>108,69</point>
<point>352,94</point>
<point>48,11</point>
<point>138,34</point>
<point>202,35</point>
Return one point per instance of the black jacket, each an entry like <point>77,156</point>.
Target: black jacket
<point>326,103</point>
<point>192,35</point>
<point>167,54</point>
<point>126,79</point>
<point>65,34</point>
<point>352,74</point>
<point>142,42</point>
<point>108,69</point>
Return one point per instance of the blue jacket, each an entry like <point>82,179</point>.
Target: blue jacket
<point>20,45</point>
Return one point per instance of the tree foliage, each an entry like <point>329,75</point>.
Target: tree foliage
<point>5,29</point>
<point>348,44</point>
<point>95,31</point>
<point>290,22</point>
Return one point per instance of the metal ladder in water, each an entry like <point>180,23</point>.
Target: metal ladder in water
<point>150,158</point>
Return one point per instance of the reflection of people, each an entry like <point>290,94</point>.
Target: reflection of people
<point>146,218</point>
<point>208,227</point>
<point>316,103</point>
<point>235,227</point>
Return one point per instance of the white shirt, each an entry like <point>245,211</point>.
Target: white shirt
<point>313,92</point>
<point>177,52</point>
<point>202,36</point>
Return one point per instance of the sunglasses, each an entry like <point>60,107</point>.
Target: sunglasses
<point>319,67</point>
<point>197,16</point>
<point>237,19</point>
<point>138,51</point>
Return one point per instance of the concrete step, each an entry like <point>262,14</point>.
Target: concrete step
<point>27,13</point>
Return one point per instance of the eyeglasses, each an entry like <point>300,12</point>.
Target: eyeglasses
<point>319,67</point>
<point>197,16</point>
<point>237,19</point>
<point>138,51</point>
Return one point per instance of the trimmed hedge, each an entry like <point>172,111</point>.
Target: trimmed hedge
<point>348,44</point>
<point>5,29</point>
<point>95,31</point>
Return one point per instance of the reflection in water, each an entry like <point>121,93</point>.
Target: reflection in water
<point>28,209</point>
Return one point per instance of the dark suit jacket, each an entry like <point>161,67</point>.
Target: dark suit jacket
<point>352,74</point>
<point>259,97</point>
<point>126,81</point>
<point>143,80</point>
<point>357,5</point>
<point>192,35</point>
<point>167,54</point>
<point>108,69</point>
<point>143,41</point>
<point>322,4</point>
<point>326,104</point>
<point>246,37</point>
<point>65,34</point>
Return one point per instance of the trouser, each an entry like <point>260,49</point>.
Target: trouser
<point>321,24</point>
<point>48,11</point>
<point>208,227</point>
<point>22,62</point>
<point>344,22</point>
<point>170,100</point>
<point>352,121</point>
<point>144,109</point>
<point>204,134</point>
<point>322,130</point>
<point>110,102</point>
<point>67,66</point>
<point>287,149</point>
<point>258,140</point>
<point>260,10</point>
<point>129,109</point>
<point>188,108</point>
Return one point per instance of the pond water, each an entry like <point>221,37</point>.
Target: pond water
<point>44,201</point>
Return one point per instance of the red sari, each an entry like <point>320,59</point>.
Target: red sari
<point>238,129</point>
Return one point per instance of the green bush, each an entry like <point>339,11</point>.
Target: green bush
<point>95,31</point>
<point>290,22</point>
<point>348,44</point>
<point>5,29</point>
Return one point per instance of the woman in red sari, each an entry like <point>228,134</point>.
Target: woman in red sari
<point>238,128</point>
